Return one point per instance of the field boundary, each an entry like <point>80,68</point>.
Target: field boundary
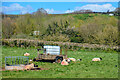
<point>69,45</point>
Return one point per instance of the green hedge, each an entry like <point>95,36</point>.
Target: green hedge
<point>67,45</point>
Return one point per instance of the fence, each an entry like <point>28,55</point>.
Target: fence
<point>16,60</point>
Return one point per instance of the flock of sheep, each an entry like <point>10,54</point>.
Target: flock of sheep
<point>68,60</point>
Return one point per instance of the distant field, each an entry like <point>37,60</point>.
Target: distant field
<point>79,69</point>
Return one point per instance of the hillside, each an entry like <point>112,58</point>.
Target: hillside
<point>79,28</point>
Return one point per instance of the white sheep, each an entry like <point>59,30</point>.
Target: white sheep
<point>72,59</point>
<point>26,54</point>
<point>28,67</point>
<point>96,59</point>
<point>64,62</point>
<point>79,59</point>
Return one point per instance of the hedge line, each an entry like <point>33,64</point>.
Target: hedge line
<point>68,45</point>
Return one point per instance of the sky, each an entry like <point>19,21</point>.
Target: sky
<point>56,7</point>
<point>60,0</point>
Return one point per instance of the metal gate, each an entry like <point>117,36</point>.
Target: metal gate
<point>16,60</point>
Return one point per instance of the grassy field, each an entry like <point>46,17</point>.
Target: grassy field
<point>79,69</point>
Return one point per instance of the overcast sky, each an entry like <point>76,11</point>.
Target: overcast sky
<point>57,7</point>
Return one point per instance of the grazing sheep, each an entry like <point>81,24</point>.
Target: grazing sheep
<point>72,59</point>
<point>96,59</point>
<point>64,62</point>
<point>26,54</point>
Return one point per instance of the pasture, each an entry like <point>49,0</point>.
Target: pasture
<point>80,69</point>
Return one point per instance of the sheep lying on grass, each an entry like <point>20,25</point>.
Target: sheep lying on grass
<point>72,59</point>
<point>79,59</point>
<point>97,59</point>
<point>64,62</point>
<point>26,54</point>
<point>28,67</point>
<point>68,60</point>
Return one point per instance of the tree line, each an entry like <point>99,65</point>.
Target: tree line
<point>79,28</point>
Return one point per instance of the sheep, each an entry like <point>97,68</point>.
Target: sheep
<point>79,59</point>
<point>64,62</point>
<point>28,67</point>
<point>68,60</point>
<point>72,59</point>
<point>26,54</point>
<point>97,59</point>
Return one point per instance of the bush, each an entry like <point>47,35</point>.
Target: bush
<point>22,36</point>
<point>65,45</point>
<point>57,37</point>
<point>76,39</point>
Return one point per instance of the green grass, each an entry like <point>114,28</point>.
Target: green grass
<point>79,69</point>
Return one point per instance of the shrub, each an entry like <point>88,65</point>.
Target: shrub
<point>57,37</point>
<point>65,45</point>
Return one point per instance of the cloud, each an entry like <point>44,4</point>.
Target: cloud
<point>97,8</point>
<point>69,11</point>
<point>50,11</point>
<point>94,7</point>
<point>61,0</point>
<point>16,7</point>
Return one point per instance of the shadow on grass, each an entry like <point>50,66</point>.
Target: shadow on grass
<point>50,61</point>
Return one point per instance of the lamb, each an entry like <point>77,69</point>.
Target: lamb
<point>97,59</point>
